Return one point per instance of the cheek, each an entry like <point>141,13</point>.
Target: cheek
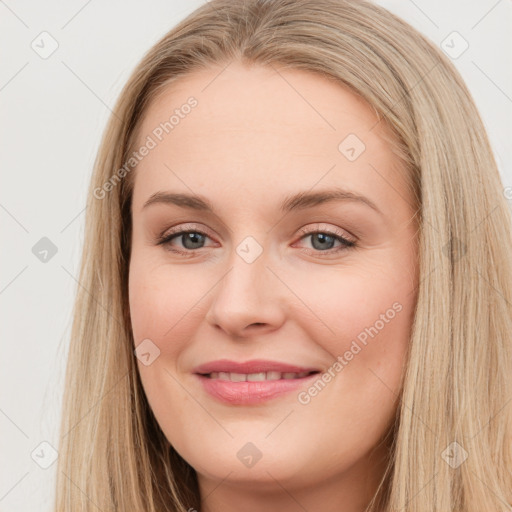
<point>361,315</point>
<point>363,322</point>
<point>161,310</point>
<point>365,319</point>
<point>161,302</point>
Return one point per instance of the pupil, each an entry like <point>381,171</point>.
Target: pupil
<point>323,239</point>
<point>194,238</point>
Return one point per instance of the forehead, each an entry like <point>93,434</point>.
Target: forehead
<point>259,129</point>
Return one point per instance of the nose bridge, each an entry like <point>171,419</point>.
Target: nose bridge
<point>246,293</point>
<point>246,280</point>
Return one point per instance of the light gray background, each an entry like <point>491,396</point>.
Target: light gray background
<point>53,114</point>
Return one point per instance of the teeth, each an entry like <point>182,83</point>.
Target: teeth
<point>256,377</point>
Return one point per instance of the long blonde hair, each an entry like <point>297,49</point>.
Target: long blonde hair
<point>457,384</point>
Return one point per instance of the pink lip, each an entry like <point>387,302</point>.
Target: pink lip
<point>253,366</point>
<point>250,392</point>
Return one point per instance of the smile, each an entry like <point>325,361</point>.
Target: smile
<point>251,382</point>
<point>257,377</point>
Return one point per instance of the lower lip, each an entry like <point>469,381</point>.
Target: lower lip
<point>251,392</point>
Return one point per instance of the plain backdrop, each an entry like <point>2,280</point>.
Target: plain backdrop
<point>54,110</point>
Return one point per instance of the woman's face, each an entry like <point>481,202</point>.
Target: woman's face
<point>274,281</point>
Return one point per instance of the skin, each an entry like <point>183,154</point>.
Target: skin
<point>256,137</point>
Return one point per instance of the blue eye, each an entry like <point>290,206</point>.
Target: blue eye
<point>190,240</point>
<point>324,238</point>
<point>322,241</point>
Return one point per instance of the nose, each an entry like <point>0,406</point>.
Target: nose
<point>248,300</point>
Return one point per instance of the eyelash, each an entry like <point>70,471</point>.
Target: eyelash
<point>166,238</point>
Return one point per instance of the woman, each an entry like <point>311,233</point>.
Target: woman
<point>296,285</point>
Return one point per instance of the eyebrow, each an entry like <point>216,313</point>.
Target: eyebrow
<point>297,201</point>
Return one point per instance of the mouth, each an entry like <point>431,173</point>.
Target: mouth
<point>257,377</point>
<point>251,382</point>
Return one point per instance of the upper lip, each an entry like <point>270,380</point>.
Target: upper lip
<point>252,366</point>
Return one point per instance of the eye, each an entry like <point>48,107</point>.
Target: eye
<point>191,240</point>
<point>323,241</point>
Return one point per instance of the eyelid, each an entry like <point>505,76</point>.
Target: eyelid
<point>345,238</point>
<point>185,227</point>
<point>320,228</point>
<point>174,231</point>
